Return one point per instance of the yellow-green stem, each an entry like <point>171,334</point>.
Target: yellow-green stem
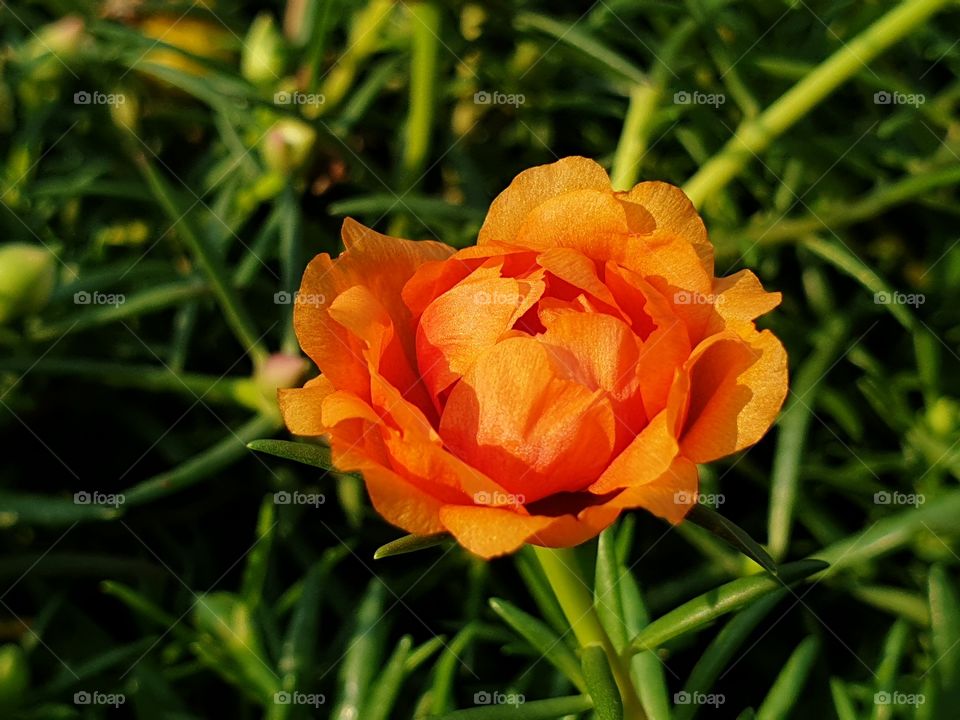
<point>563,573</point>
<point>755,135</point>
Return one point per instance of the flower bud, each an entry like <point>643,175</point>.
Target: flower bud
<point>14,675</point>
<point>27,273</point>
<point>280,371</point>
<point>262,58</point>
<point>288,145</point>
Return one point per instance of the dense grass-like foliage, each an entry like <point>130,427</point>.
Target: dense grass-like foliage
<point>166,171</point>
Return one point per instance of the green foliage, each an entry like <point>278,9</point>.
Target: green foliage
<point>166,172</point>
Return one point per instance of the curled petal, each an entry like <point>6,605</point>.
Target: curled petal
<point>737,387</point>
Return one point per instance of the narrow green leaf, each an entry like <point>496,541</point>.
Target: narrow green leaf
<point>715,658</point>
<point>409,544</point>
<point>258,559</point>
<point>911,606</point>
<point>886,675</point>
<point>300,641</point>
<point>793,425</point>
<point>945,623</point>
<point>152,299</point>
<point>536,582</point>
<point>842,702</point>
<point>382,696</point>
<point>607,704</point>
<point>204,464</point>
<point>534,710</point>
<point>123,656</point>
<point>143,606</point>
<point>419,655</point>
<point>301,452</point>
<point>441,689</point>
<point>844,260</point>
<point>23,508</point>
<point>231,643</point>
<point>783,696</point>
<point>544,640</point>
<point>719,601</point>
<point>646,668</point>
<point>426,207</point>
<point>363,656</point>
<point>606,596</point>
<point>583,41</point>
<point>732,535</point>
<point>234,313</point>
<point>938,515</point>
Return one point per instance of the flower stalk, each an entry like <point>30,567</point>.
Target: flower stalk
<point>755,135</point>
<point>573,593</point>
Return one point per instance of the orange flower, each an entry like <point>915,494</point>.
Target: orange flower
<point>578,362</point>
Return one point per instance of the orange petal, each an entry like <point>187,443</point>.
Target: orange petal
<point>675,215</point>
<point>395,386</point>
<point>570,530</point>
<point>301,407</point>
<point>601,352</point>
<point>402,503</point>
<point>666,343</point>
<point>591,221</point>
<point>740,299</point>
<point>578,270</point>
<point>433,464</point>
<point>644,460</point>
<point>432,279</point>
<point>533,187</point>
<point>736,390</point>
<point>380,263</point>
<point>670,496</point>
<point>466,320</point>
<point>490,531</point>
<point>516,418</point>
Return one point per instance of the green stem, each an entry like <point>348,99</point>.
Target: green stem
<point>153,299</point>
<point>635,134</point>
<point>644,99</point>
<point>211,264</point>
<point>753,136</point>
<point>887,196</point>
<point>425,32</point>
<point>425,28</point>
<point>217,390</point>
<point>573,593</point>
<point>215,458</point>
